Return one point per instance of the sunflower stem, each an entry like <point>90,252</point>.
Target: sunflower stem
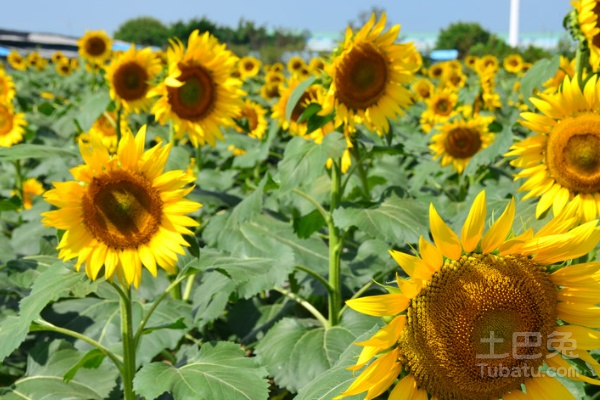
<point>118,122</point>
<point>19,180</point>
<point>581,61</point>
<point>309,307</point>
<point>335,248</point>
<point>362,174</point>
<point>128,344</point>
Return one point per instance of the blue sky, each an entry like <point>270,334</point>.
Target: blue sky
<point>73,17</point>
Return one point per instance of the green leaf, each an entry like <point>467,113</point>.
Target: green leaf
<point>303,160</point>
<point>26,150</point>
<point>256,154</point>
<point>92,107</point>
<point>338,378</point>
<point>309,111</point>
<point>296,95</point>
<point>14,203</point>
<point>308,224</point>
<point>396,220</point>
<point>295,351</point>
<point>46,367</point>
<point>219,371</point>
<point>50,285</point>
<point>194,248</point>
<point>533,79</point>
<point>91,360</point>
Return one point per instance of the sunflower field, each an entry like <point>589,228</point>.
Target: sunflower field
<point>189,224</point>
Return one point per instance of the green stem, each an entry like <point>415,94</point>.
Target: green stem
<point>128,344</point>
<point>41,325</point>
<point>335,248</point>
<point>19,179</point>
<point>313,202</point>
<point>189,285</point>
<point>118,122</point>
<point>309,307</point>
<point>581,62</point>
<point>362,174</point>
<point>316,276</point>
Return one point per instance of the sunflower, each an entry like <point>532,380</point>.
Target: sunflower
<point>16,60</point>
<point>12,125</point>
<point>316,65</point>
<point>566,68</point>
<point>367,77</point>
<point>252,119</point>
<point>63,67</point>
<point>460,139</point>
<point>57,56</point>
<point>33,60</point>
<point>587,16</point>
<point>479,315</point>
<point>31,188</point>
<point>436,71</point>
<point>122,211</point>
<point>7,87</point>
<point>487,63</point>
<point>95,47</point>
<point>277,67</point>
<point>274,77</point>
<point>561,161</point>
<point>199,95</point>
<point>513,63</point>
<point>248,67</point>
<point>295,65</point>
<point>471,61</point>
<point>454,78</point>
<point>270,91</point>
<point>440,107</point>
<point>130,77</point>
<point>105,129</point>
<point>423,88</point>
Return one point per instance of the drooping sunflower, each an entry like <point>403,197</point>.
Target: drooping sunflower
<point>7,87</point>
<point>368,77</point>
<point>587,16</point>
<point>16,60</point>
<point>513,63</point>
<point>249,66</point>
<point>252,119</point>
<point>479,316</point>
<point>130,77</point>
<point>12,125</point>
<point>561,161</point>
<point>122,211</point>
<point>199,95</point>
<point>460,139</point>
<point>95,46</point>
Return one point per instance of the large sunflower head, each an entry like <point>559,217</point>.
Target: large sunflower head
<point>16,60</point>
<point>368,76</point>
<point>561,161</point>
<point>122,211</point>
<point>199,94</point>
<point>481,316</point>
<point>12,125</point>
<point>130,77</point>
<point>7,87</point>
<point>588,12</point>
<point>460,139</point>
<point>95,46</point>
<point>252,119</point>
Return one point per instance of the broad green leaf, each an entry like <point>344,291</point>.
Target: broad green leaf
<point>219,371</point>
<point>256,154</point>
<point>46,367</point>
<point>50,285</point>
<point>541,71</point>
<point>303,160</point>
<point>26,150</point>
<point>296,351</point>
<point>396,220</point>
<point>308,224</point>
<point>296,95</point>
<point>211,297</point>
<point>92,107</point>
<point>91,359</point>
<point>335,380</point>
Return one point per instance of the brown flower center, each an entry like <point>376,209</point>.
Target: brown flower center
<point>95,46</point>
<point>196,97</point>
<point>131,81</point>
<point>362,77</point>
<point>573,153</point>
<point>478,318</point>
<point>462,142</point>
<point>122,209</point>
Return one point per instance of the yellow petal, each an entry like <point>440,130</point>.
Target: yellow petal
<point>381,305</point>
<point>473,227</point>
<point>387,336</point>
<point>430,255</point>
<point>407,389</point>
<point>445,239</point>
<point>413,266</point>
<point>495,236</point>
<point>547,388</point>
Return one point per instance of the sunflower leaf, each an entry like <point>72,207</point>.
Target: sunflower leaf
<point>219,371</point>
<point>26,150</point>
<point>297,351</point>
<point>296,95</point>
<point>303,160</point>
<point>396,220</point>
<point>533,79</point>
<point>53,283</point>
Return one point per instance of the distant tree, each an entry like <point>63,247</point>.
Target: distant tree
<point>146,31</point>
<point>462,36</point>
<point>182,29</point>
